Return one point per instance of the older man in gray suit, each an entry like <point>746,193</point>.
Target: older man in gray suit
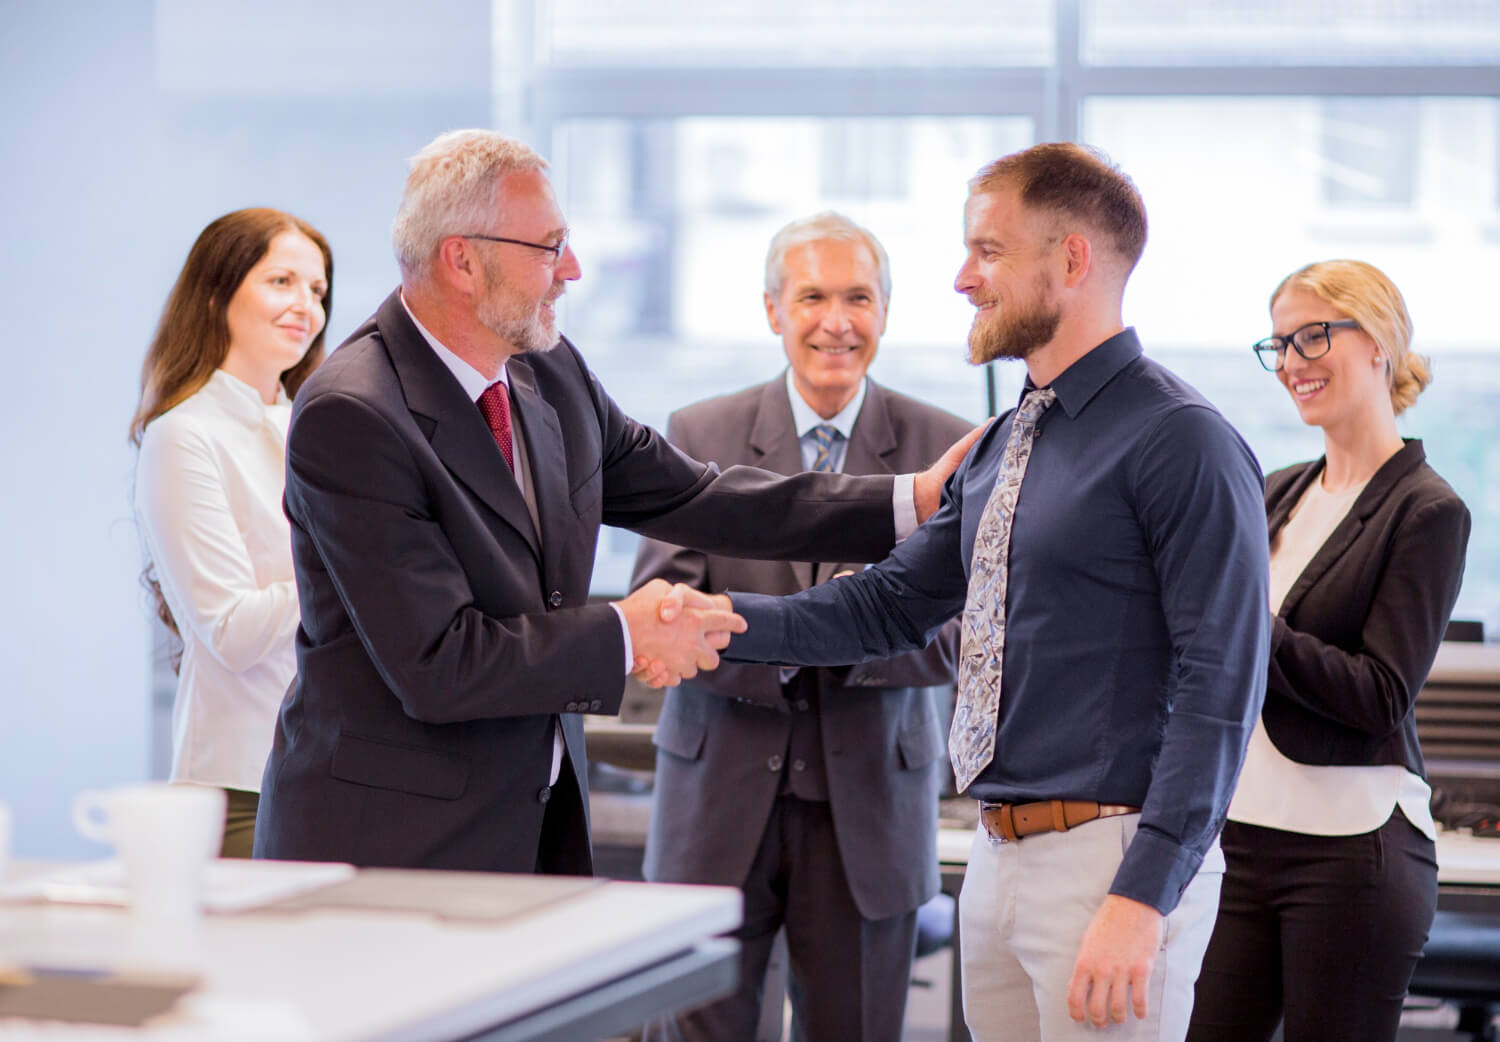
<point>813,790</point>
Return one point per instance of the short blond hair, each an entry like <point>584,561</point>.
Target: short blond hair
<point>452,189</point>
<point>1364,293</point>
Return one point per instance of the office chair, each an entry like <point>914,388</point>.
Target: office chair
<point>1461,964</point>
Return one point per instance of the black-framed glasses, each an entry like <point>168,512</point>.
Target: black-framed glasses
<point>556,251</point>
<point>1310,341</point>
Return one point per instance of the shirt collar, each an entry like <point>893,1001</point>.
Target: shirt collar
<point>240,399</point>
<point>470,379</point>
<point>1077,384</point>
<point>805,419</point>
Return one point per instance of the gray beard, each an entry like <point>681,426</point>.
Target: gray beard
<point>525,334</point>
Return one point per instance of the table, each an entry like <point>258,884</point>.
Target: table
<point>1468,881</point>
<point>579,959</point>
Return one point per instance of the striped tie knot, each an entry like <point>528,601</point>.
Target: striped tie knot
<point>823,436</point>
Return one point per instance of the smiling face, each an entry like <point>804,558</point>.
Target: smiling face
<point>276,312</point>
<point>1344,387</point>
<point>520,284</point>
<point>830,314</point>
<point>1005,278</point>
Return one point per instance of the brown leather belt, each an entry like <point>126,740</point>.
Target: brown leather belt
<point>1008,822</point>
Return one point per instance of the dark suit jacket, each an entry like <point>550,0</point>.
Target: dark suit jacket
<point>1357,633</point>
<point>441,635</point>
<point>883,744</point>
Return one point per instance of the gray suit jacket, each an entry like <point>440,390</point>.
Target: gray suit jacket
<point>716,779</point>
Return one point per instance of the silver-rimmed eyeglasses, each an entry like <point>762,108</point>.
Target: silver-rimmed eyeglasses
<point>1310,341</point>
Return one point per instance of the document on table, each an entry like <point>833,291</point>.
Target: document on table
<point>230,884</point>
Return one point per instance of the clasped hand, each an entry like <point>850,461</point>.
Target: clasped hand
<point>675,631</point>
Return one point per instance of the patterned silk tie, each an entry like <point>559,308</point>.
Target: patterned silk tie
<point>971,742</point>
<point>494,403</point>
<point>823,436</point>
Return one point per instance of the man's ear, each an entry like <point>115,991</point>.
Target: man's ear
<point>458,264</point>
<point>1078,258</point>
<point>771,314</point>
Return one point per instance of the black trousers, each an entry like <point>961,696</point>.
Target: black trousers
<point>1324,930</point>
<point>849,975</point>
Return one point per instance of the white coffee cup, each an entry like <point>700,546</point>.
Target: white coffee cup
<point>165,836</point>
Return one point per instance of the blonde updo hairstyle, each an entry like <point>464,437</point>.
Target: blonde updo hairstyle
<point>1364,293</point>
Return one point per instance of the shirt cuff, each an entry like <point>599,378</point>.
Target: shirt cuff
<point>904,504</point>
<point>1155,871</point>
<point>625,632</point>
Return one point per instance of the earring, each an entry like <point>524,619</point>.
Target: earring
<point>1375,360</point>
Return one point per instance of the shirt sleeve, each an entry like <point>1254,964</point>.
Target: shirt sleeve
<point>895,606</point>
<point>201,560</point>
<point>904,504</point>
<point>1199,498</point>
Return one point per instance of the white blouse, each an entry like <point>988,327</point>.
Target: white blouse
<point>208,490</point>
<point>1279,793</point>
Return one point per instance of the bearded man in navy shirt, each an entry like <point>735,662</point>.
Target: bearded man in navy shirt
<point>1105,545</point>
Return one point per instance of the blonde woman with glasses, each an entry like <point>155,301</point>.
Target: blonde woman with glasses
<point>1331,881</point>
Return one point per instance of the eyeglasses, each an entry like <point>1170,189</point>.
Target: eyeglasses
<point>1310,341</point>
<point>556,251</point>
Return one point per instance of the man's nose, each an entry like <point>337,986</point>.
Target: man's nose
<point>568,269</point>
<point>966,279</point>
<point>836,317</point>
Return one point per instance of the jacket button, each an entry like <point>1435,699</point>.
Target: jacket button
<point>774,762</point>
<point>544,794</point>
<point>595,706</point>
<point>555,599</point>
<point>798,765</point>
<point>802,705</point>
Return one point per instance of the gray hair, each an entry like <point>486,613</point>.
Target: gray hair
<point>452,189</point>
<point>829,224</point>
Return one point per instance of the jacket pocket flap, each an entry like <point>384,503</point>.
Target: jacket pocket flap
<point>680,736</point>
<point>404,768</point>
<point>919,744</point>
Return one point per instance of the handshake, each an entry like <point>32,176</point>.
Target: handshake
<point>676,630</point>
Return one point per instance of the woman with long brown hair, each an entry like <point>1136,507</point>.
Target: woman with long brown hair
<point>1331,881</point>
<point>242,329</point>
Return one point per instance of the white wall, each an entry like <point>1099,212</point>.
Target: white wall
<point>119,144</point>
<point>78,201</point>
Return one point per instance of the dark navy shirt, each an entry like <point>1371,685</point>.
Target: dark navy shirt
<point>1136,621</point>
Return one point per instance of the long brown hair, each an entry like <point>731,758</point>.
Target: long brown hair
<point>192,338</point>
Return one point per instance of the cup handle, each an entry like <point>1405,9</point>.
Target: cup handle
<point>91,815</point>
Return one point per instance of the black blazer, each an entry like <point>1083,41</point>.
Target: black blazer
<point>1357,633</point>
<point>442,634</point>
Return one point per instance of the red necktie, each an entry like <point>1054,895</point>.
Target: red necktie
<point>494,403</point>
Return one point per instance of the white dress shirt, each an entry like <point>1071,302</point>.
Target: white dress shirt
<point>1280,793</point>
<point>208,490</point>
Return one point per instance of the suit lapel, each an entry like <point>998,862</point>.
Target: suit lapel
<point>871,445</point>
<point>1349,529</point>
<point>452,423</point>
<point>549,465</point>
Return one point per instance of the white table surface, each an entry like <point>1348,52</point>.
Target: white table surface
<point>335,975</point>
